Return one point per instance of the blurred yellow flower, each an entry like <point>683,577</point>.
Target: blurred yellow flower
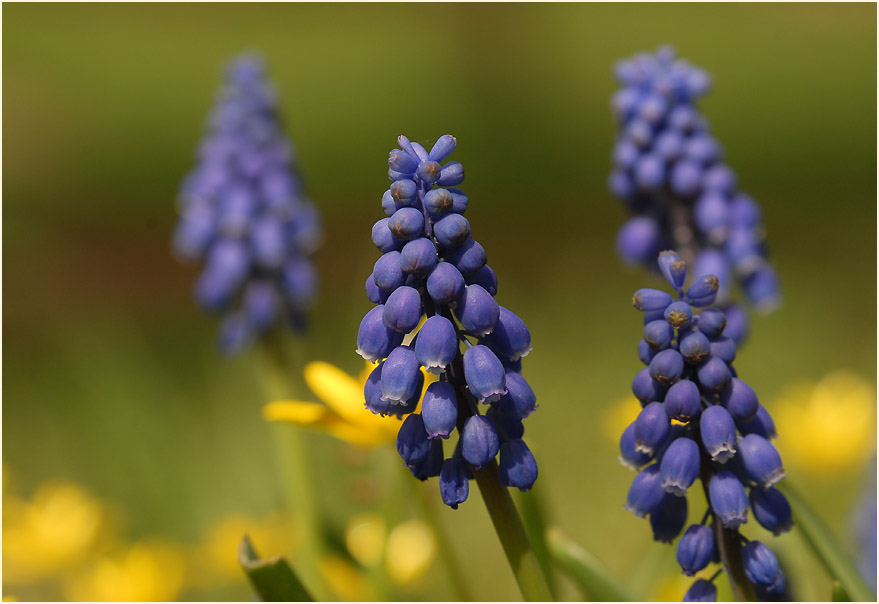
<point>831,424</point>
<point>346,581</point>
<point>54,531</point>
<point>343,415</point>
<point>365,538</point>
<point>618,415</point>
<point>411,549</point>
<point>141,573</point>
<point>215,561</point>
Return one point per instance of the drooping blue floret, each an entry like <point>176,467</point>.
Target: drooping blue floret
<point>244,214</point>
<point>670,172</point>
<point>690,376</point>
<point>433,289</point>
<point>517,467</point>
<point>695,549</point>
<point>701,590</point>
<point>761,565</point>
<point>771,510</point>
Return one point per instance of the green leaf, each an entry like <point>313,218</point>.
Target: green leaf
<point>585,569</point>
<point>534,518</point>
<point>272,579</point>
<point>839,594</point>
<point>828,551</point>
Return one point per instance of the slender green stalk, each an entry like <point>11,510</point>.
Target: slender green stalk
<point>825,547</point>
<point>511,532</point>
<point>276,371</point>
<point>531,507</point>
<point>590,574</point>
<point>444,545</point>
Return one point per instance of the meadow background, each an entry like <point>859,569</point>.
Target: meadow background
<point>112,381</point>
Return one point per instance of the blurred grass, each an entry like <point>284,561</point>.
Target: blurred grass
<point>111,375</point>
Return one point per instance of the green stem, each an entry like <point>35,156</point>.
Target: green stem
<point>504,516</point>
<point>276,370</point>
<point>453,568</point>
<point>825,547</point>
<point>731,555</point>
<point>512,535</point>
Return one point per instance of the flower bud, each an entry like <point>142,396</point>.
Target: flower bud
<point>701,590</point>
<point>638,240</point>
<point>680,466</point>
<point>431,464</point>
<point>479,441</point>
<point>486,278</point>
<point>517,467</point>
<point>438,201</point>
<point>442,148</point>
<point>452,174</point>
<point>400,161</point>
<point>695,549</point>
<point>647,299</point>
<point>695,347</point>
<point>400,374</point>
<point>387,272</point>
<point>673,268</point>
<point>375,340</point>
<point>761,460</point>
<point>714,374</point>
<point>439,410</point>
<point>771,510</point>
<point>510,337</point>
<point>451,230</point>
<point>761,424</point>
<point>437,344</point>
<point>712,322</point>
<point>718,432</point>
<point>658,334</point>
<point>728,499</point>
<point>382,237</point>
<point>651,428</point>
<point>412,442</point>
<point>645,388</point>
<point>508,425</point>
<point>454,486</point>
<point>418,257</point>
<point>667,367</point>
<point>429,172</point>
<point>740,400</point>
<point>678,314</point>
<point>761,565</point>
<point>373,293</point>
<point>668,518</point>
<point>477,310</point>
<point>406,224</point>
<point>404,191</point>
<point>646,492</point>
<point>683,401</point>
<point>445,283</point>
<point>402,311</point>
<point>629,455</point>
<point>484,373</point>
<point>724,348</point>
<point>469,257</point>
<point>520,399</point>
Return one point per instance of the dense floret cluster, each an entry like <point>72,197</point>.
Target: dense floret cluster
<point>699,421</point>
<point>243,212</point>
<point>431,266</point>
<point>670,173</point>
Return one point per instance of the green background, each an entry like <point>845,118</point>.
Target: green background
<point>111,376</point>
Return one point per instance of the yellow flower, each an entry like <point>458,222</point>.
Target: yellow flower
<point>346,581</point>
<point>54,531</point>
<point>831,424</point>
<point>140,573</point>
<point>365,538</point>
<point>343,415</point>
<point>618,415</point>
<point>410,551</point>
<point>215,561</point>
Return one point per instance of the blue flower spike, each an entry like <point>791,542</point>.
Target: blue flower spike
<point>670,174</point>
<point>699,422</point>
<point>244,215</point>
<point>433,289</point>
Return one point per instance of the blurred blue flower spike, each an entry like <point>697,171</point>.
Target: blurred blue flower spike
<point>243,214</point>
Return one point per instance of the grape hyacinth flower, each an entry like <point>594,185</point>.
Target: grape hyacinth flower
<point>432,269</point>
<point>244,215</point>
<point>671,175</point>
<point>697,424</point>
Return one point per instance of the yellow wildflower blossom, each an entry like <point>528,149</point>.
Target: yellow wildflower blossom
<point>54,531</point>
<point>411,549</point>
<point>343,415</point>
<point>140,573</point>
<point>834,422</point>
<point>365,538</point>
<point>346,581</point>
